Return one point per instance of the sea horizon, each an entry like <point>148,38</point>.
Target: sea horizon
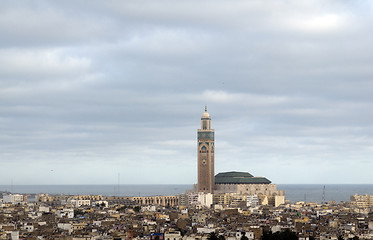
<point>293,192</point>
<point>167,184</point>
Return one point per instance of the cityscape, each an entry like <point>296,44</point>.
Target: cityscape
<point>229,205</point>
<point>186,120</point>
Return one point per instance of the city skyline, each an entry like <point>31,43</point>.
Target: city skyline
<point>90,90</point>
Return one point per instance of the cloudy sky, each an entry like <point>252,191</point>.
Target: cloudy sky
<point>93,89</point>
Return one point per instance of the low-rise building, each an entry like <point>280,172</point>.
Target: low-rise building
<point>13,198</point>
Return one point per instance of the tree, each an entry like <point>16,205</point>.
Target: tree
<point>212,236</point>
<point>137,209</point>
<point>287,234</point>
<point>78,212</point>
<point>121,209</point>
<point>284,235</point>
<point>243,237</point>
<point>221,237</point>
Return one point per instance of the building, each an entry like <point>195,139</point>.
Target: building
<point>13,198</point>
<point>242,183</point>
<point>79,202</point>
<point>205,199</point>
<point>276,200</point>
<point>252,201</point>
<point>362,201</point>
<point>206,159</point>
<point>156,200</point>
<point>172,235</point>
<point>65,213</point>
<point>200,199</point>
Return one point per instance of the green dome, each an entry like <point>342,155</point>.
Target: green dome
<point>239,178</point>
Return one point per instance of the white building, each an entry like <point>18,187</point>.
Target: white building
<point>200,199</point>
<point>252,200</point>
<point>66,226</point>
<point>172,235</point>
<point>13,198</point>
<point>43,209</point>
<point>14,235</point>
<point>29,227</point>
<point>250,235</point>
<point>276,228</point>
<point>205,230</point>
<point>79,202</point>
<point>65,213</point>
<point>238,235</point>
<point>205,199</point>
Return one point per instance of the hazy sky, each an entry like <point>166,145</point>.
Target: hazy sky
<point>93,89</point>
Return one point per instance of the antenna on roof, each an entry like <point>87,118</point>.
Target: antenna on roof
<point>118,184</point>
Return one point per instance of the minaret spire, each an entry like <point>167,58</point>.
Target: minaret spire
<point>205,151</point>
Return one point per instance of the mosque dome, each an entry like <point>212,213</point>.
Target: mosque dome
<point>239,178</point>
<point>205,115</point>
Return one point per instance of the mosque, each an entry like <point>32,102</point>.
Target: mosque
<point>226,182</point>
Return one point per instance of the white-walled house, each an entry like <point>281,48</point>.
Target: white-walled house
<point>65,213</point>
<point>13,198</point>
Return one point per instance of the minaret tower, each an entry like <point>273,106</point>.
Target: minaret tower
<point>206,149</point>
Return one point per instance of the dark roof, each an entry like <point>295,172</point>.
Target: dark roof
<point>239,178</point>
<point>234,174</point>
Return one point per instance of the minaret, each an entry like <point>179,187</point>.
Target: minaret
<point>206,172</point>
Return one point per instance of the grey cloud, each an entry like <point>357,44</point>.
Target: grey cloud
<point>120,86</point>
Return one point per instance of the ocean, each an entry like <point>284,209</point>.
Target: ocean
<point>293,192</point>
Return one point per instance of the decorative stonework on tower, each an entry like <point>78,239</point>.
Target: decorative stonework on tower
<point>206,149</point>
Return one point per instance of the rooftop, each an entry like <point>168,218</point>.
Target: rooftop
<point>239,178</point>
